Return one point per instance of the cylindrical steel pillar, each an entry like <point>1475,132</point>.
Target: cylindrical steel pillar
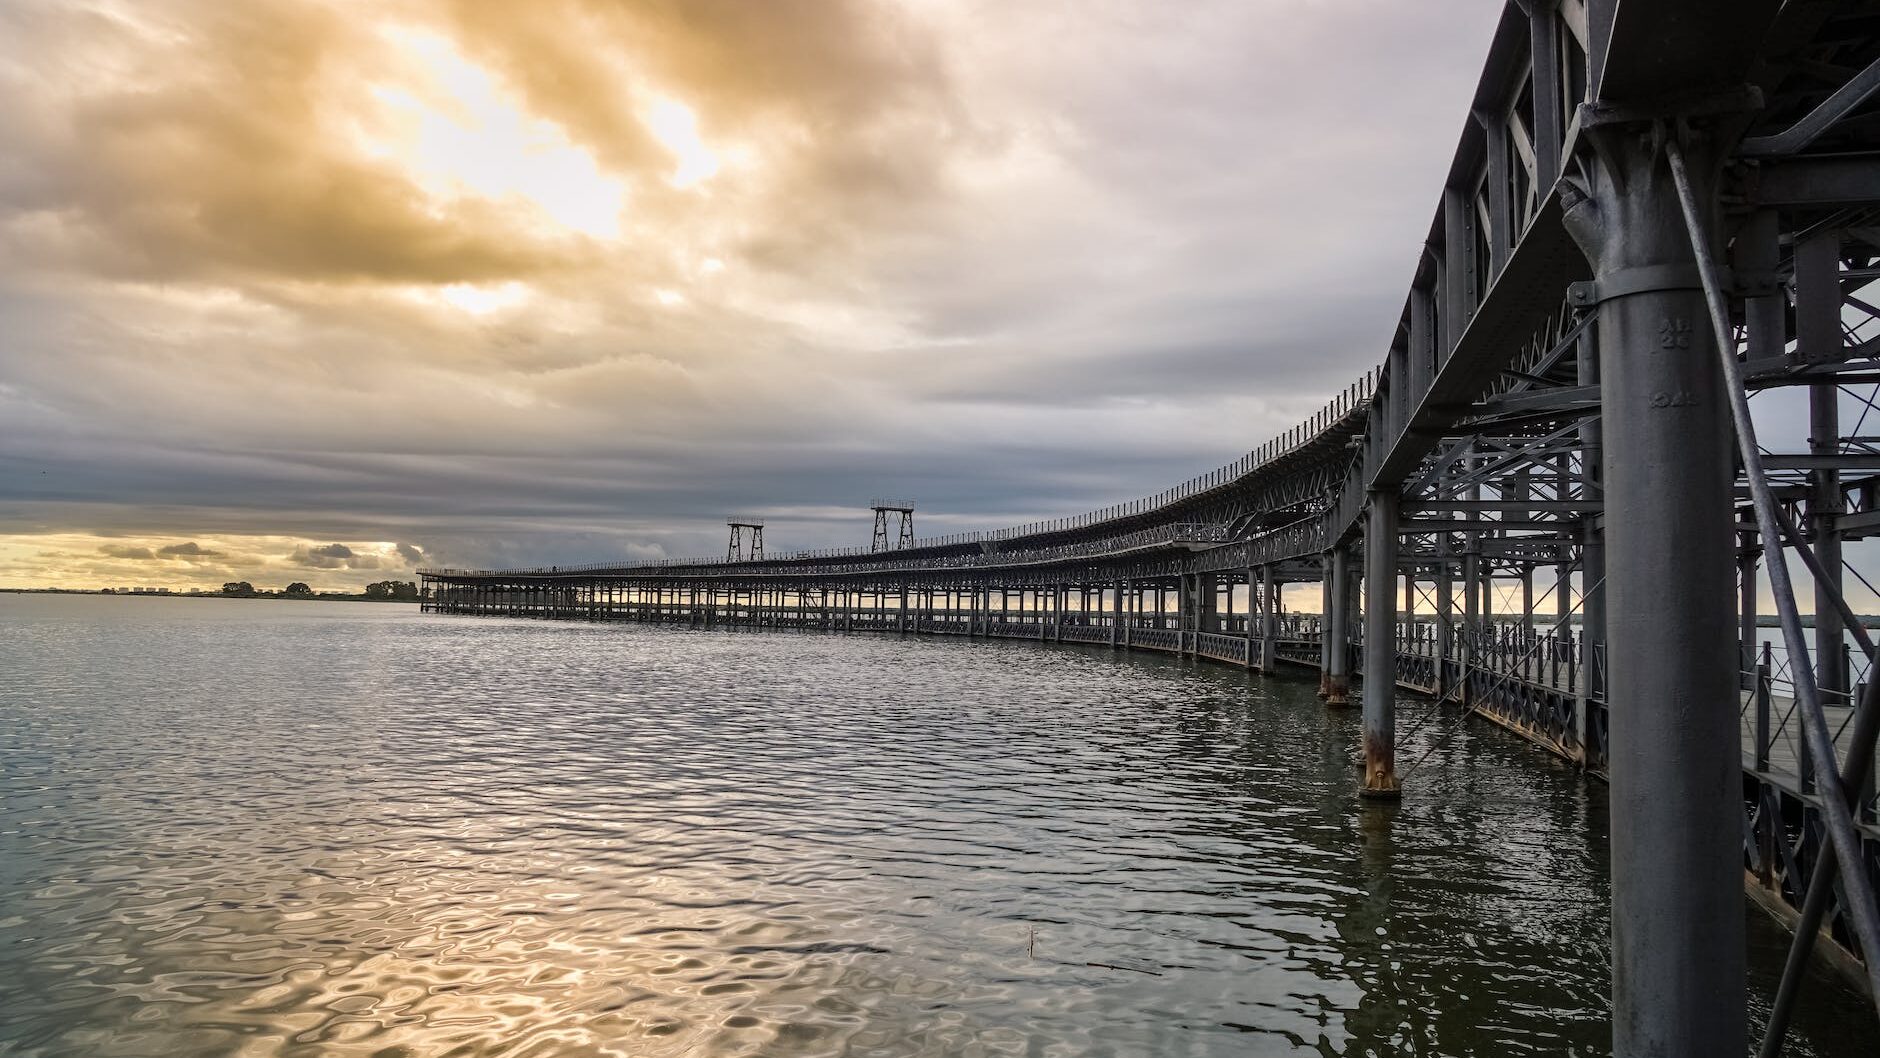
<point>1824,511</point>
<point>1338,632</point>
<point>1269,620</point>
<point>1380,647</point>
<point>1674,757</point>
<point>1747,559</point>
<point>1445,615</point>
<point>1325,625</point>
<point>1470,639</point>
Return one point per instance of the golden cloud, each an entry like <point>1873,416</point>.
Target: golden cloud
<point>82,560</point>
<point>456,142</point>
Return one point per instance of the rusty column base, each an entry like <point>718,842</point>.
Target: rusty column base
<point>1336,690</point>
<point>1380,774</point>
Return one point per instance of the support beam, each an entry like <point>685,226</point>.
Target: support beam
<point>1269,619</point>
<point>1380,648</point>
<point>1338,631</point>
<point>1674,757</point>
<point>1325,626</point>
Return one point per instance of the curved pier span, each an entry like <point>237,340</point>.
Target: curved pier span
<point>1548,504</point>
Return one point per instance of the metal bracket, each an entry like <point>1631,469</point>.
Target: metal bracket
<point>1744,99</point>
<point>1641,280</point>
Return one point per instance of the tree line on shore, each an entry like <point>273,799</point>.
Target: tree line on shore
<point>390,590</point>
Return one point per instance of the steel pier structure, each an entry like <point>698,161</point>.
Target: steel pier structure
<point>1548,504</point>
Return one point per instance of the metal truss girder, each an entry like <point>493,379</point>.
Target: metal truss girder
<point>1513,506</point>
<point>1562,399</point>
<point>1857,461</point>
<point>1460,525</point>
<point>1502,456</point>
<point>1530,285</point>
<point>1562,346</point>
<point>1815,182</point>
<point>1861,524</point>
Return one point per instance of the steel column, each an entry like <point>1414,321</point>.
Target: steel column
<point>1269,620</point>
<point>1338,632</point>
<point>1380,647</point>
<point>1325,625</point>
<point>1674,754</point>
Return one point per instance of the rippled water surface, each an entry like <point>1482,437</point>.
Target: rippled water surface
<point>270,828</point>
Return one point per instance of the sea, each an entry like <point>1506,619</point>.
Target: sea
<point>302,828</point>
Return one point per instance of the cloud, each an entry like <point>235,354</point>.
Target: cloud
<point>305,144</point>
<point>335,556</point>
<point>325,556</point>
<point>189,551</point>
<point>135,554</point>
<point>234,170</point>
<point>263,293</point>
<point>40,558</point>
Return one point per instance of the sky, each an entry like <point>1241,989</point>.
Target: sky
<point>329,291</point>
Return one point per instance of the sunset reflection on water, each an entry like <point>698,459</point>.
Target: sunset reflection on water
<point>313,829</point>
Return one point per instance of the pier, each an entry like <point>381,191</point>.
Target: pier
<point>1547,504</point>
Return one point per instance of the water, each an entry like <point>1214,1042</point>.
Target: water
<point>274,828</point>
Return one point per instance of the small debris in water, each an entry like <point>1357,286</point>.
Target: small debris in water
<point>1132,969</point>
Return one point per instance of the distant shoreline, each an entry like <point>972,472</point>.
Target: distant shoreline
<point>331,597</point>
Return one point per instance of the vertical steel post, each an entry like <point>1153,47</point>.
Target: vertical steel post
<point>1269,620</point>
<point>1592,645</point>
<point>1338,631</point>
<point>1445,615</point>
<point>1747,554</point>
<point>1325,625</point>
<point>1818,341</point>
<point>1471,614</point>
<point>1112,609</point>
<point>1187,612</point>
<point>1380,647</point>
<point>1674,758</point>
<point>1127,605</point>
<point>1255,614</point>
<point>1756,253</point>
